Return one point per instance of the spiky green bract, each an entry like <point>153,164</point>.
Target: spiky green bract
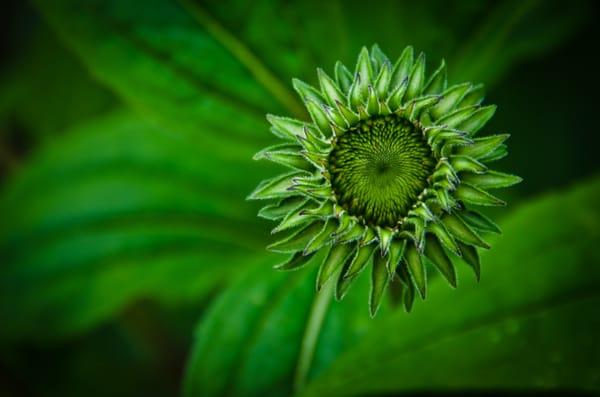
<point>384,174</point>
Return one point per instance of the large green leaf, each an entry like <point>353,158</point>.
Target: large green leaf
<point>114,211</point>
<point>530,323</point>
<point>45,66</point>
<point>256,338</point>
<point>161,60</point>
<point>189,64</point>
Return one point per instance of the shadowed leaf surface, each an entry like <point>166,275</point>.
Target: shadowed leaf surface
<point>118,210</point>
<point>529,324</point>
<point>515,329</point>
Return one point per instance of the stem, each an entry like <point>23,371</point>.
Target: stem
<point>245,56</point>
<point>311,334</point>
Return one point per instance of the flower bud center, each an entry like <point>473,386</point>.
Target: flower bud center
<point>379,168</point>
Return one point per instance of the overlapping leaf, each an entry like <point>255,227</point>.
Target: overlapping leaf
<point>115,211</point>
<point>514,329</point>
<point>529,324</point>
<point>189,64</point>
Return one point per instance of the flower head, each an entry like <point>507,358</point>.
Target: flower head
<point>385,174</point>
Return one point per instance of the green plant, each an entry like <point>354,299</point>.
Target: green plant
<point>385,169</point>
<point>124,221</point>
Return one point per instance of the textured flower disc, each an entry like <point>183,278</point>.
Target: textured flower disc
<point>379,168</point>
<point>384,175</point>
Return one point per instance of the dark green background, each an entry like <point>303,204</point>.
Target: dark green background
<point>129,252</point>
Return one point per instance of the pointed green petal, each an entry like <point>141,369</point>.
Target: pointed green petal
<point>395,255</point>
<point>462,231</point>
<point>317,192</point>
<point>482,146</point>
<point>480,222</point>
<point>442,234</point>
<point>419,230</point>
<point>477,120</point>
<point>281,209</point>
<point>422,211</point>
<point>394,101</point>
<point>472,195</point>
<point>355,95</point>
<point>329,88</point>
<point>295,217</point>
<point>450,99</point>
<point>323,211</point>
<point>289,147</point>
<point>360,260</point>
<point>395,291</point>
<point>444,199</point>
<point>319,116</point>
<point>438,80</point>
<point>409,290</point>
<point>402,67</point>
<point>348,114</point>
<point>345,224</point>
<point>409,298</point>
<point>491,180</point>
<point>464,163</point>
<point>294,262</point>
<point>308,92</point>
<point>364,66</point>
<point>275,187</point>
<point>343,283</point>
<point>435,252</point>
<point>355,233</point>
<point>471,257</point>
<point>385,238</point>
<point>445,171</point>
<point>416,106</point>
<point>318,160</point>
<point>286,157</point>
<point>322,238</point>
<point>368,237</point>
<point>378,58</point>
<point>365,71</point>
<point>285,127</point>
<point>372,102</point>
<point>343,77</point>
<point>455,118</point>
<point>473,97</point>
<point>497,154</point>
<point>335,117</point>
<point>333,262</point>
<point>379,281</point>
<point>312,139</point>
<point>416,79</point>
<point>298,240</point>
<point>416,269</point>
<point>382,83</point>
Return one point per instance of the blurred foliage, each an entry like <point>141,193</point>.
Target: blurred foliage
<point>116,210</point>
<point>126,142</point>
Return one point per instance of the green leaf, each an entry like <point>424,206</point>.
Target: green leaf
<point>40,69</point>
<point>526,307</point>
<point>337,256</point>
<point>115,211</point>
<point>530,324</point>
<point>255,337</point>
<point>190,65</point>
<point>178,66</point>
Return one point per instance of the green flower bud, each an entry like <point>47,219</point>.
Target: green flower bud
<point>384,175</point>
